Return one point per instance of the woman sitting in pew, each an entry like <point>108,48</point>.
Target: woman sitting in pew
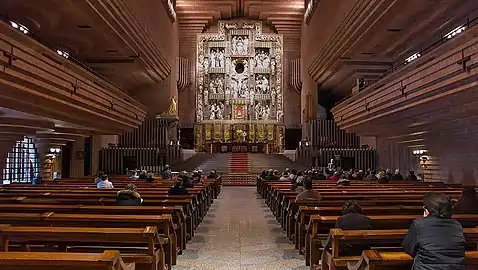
<point>128,196</point>
<point>436,241</point>
<point>468,203</point>
<point>353,218</point>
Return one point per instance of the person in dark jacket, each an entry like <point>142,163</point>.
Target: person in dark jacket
<point>143,175</point>
<point>177,188</point>
<point>411,176</point>
<point>397,175</point>
<point>468,203</point>
<point>353,218</point>
<point>212,175</point>
<point>187,183</point>
<point>436,241</point>
<point>128,196</point>
<point>272,176</point>
<point>150,178</point>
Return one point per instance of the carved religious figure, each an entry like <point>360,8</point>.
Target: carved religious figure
<point>262,84</point>
<point>240,44</point>
<point>213,110</point>
<point>262,59</point>
<point>216,58</point>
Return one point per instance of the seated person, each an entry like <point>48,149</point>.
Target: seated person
<point>177,188</point>
<point>411,176</point>
<point>383,178</point>
<point>263,174</point>
<point>468,203</point>
<point>319,175</point>
<point>212,175</point>
<point>271,176</point>
<point>285,176</point>
<point>309,194</point>
<point>129,194</point>
<point>105,183</point>
<point>371,176</point>
<point>196,177</point>
<point>436,241</point>
<point>397,175</point>
<point>150,178</point>
<point>335,177</point>
<point>98,177</point>
<point>353,219</point>
<point>143,175</point>
<point>187,183</point>
<point>166,172</point>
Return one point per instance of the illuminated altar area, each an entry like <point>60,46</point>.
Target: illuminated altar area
<point>239,101</point>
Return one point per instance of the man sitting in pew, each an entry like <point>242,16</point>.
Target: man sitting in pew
<point>309,194</point>
<point>468,203</point>
<point>178,188</point>
<point>212,175</point>
<point>105,183</point>
<point>143,175</point>
<point>129,196</point>
<point>436,241</point>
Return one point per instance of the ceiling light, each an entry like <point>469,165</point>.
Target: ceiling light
<point>413,57</point>
<point>455,32</point>
<point>20,27</point>
<point>63,53</point>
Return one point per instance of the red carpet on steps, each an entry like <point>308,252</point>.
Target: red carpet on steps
<point>239,163</point>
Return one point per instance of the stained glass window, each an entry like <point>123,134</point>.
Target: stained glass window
<point>22,164</point>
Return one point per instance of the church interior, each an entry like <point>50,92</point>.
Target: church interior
<point>238,134</point>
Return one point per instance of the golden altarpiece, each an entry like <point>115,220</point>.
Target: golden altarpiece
<point>239,101</point>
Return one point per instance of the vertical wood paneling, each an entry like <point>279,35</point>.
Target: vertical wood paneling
<point>145,143</point>
<point>326,134</point>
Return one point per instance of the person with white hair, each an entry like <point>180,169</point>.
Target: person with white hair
<point>397,175</point>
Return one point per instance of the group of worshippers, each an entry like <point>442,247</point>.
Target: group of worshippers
<point>187,180</point>
<point>435,241</point>
<point>336,175</point>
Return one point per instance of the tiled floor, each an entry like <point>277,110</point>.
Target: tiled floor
<point>240,232</point>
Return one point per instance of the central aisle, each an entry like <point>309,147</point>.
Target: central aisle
<point>240,232</point>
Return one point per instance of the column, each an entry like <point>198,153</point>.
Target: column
<point>77,165</point>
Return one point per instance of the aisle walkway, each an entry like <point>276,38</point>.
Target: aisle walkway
<point>240,232</point>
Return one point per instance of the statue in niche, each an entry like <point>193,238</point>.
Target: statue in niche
<point>267,113</point>
<point>220,58</point>
<point>220,111</point>
<point>212,87</point>
<point>213,110</point>
<point>240,45</point>
<point>262,59</point>
<point>273,66</point>
<point>213,58</point>
<point>262,84</point>
<point>279,115</point>
<point>217,58</point>
<point>262,112</point>
<point>219,85</point>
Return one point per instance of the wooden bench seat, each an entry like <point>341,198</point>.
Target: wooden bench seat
<point>146,245</point>
<point>331,259</point>
<point>375,260</point>
<point>319,228</point>
<point>162,222</point>
<point>108,260</point>
<point>305,212</point>
<point>176,212</point>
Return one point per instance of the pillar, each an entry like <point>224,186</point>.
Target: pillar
<point>77,163</point>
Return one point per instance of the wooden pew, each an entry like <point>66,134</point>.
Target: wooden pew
<point>162,222</point>
<point>108,260</point>
<point>128,238</point>
<point>305,212</point>
<point>375,260</point>
<point>175,211</point>
<point>319,228</point>
<point>331,259</point>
